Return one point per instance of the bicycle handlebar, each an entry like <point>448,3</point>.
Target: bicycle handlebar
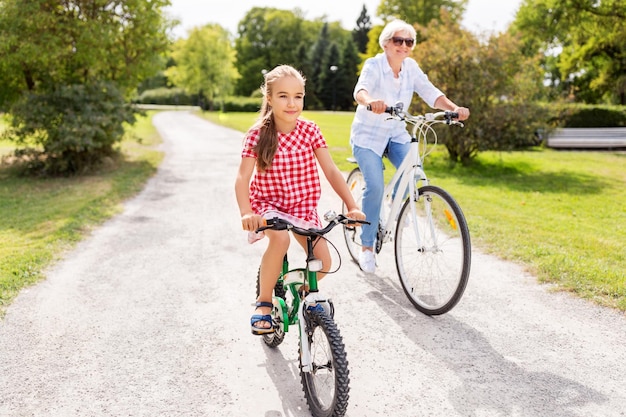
<point>396,111</point>
<point>277,223</point>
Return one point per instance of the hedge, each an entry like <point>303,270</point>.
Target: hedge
<point>178,97</point>
<point>586,115</point>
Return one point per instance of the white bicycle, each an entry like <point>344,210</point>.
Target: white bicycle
<point>430,234</point>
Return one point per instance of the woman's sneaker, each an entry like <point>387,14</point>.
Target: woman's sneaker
<point>367,261</point>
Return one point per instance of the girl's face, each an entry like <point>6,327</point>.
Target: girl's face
<point>287,101</point>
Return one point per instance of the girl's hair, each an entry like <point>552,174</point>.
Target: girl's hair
<point>268,136</point>
<point>391,28</point>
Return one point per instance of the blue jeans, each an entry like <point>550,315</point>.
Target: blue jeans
<point>371,166</point>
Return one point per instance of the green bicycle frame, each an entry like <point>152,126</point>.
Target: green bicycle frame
<point>291,280</point>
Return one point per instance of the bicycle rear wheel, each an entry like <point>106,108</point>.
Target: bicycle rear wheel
<point>433,251</point>
<point>351,233</point>
<point>326,386</point>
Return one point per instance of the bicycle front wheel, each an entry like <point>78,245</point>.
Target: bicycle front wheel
<point>326,385</point>
<point>433,251</point>
<point>351,233</point>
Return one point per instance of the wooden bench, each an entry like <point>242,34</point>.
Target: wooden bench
<point>583,137</point>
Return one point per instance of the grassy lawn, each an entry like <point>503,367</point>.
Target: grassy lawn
<point>561,214</point>
<point>41,218</point>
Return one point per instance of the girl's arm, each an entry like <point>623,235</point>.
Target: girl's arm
<point>338,182</point>
<point>249,220</point>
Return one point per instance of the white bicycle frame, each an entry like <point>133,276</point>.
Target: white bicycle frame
<point>411,169</point>
<point>312,298</point>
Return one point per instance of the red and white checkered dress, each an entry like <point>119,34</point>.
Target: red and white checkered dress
<point>291,185</point>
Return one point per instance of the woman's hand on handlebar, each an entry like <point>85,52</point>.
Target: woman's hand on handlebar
<point>377,106</point>
<point>463,113</point>
<point>252,221</point>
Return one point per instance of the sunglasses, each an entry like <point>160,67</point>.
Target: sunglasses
<point>398,41</point>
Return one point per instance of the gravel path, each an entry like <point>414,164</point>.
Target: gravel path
<point>149,316</point>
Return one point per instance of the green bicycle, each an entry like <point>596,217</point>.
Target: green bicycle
<point>323,364</point>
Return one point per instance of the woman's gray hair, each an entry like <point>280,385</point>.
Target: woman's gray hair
<point>391,28</point>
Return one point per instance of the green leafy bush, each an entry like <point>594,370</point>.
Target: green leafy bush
<point>592,116</point>
<point>69,129</point>
<point>167,96</point>
<point>503,127</point>
<point>177,97</point>
<point>241,104</point>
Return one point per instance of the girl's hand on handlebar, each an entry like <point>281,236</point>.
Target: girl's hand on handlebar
<point>463,112</point>
<point>356,214</point>
<point>252,222</point>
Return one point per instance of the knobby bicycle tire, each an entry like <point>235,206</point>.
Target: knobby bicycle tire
<point>434,271</point>
<point>326,386</point>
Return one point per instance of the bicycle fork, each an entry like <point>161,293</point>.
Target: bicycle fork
<point>305,327</point>
<point>305,351</point>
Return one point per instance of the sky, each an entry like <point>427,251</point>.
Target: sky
<point>481,15</point>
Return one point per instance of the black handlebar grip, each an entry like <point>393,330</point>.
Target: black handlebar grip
<point>389,110</point>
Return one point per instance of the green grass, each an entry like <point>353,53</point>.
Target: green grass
<point>560,214</point>
<point>42,218</point>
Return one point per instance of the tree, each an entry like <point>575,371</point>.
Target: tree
<point>270,37</point>
<point>58,53</point>
<point>267,37</point>
<point>204,63</point>
<point>69,129</point>
<point>329,74</point>
<point>44,43</point>
<point>317,60</point>
<point>373,47</point>
<point>302,59</point>
<point>493,79</point>
<point>363,26</point>
<point>421,11</point>
<point>347,76</point>
<point>584,43</point>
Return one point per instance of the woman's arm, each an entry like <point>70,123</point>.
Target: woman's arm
<point>444,103</point>
<point>369,78</point>
<point>377,106</point>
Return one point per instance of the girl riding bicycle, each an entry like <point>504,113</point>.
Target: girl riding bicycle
<point>386,79</point>
<point>278,172</point>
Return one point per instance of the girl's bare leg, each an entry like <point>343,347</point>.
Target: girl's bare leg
<point>271,267</point>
